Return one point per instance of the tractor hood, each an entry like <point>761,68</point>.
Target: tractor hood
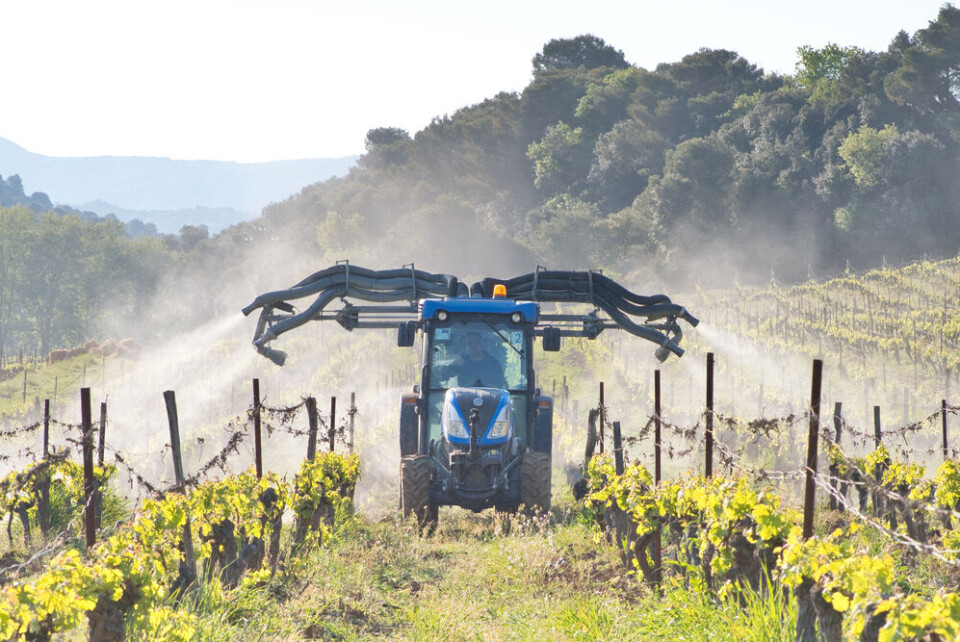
<point>487,410</point>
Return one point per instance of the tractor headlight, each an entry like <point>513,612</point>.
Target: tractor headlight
<point>455,428</point>
<point>501,425</point>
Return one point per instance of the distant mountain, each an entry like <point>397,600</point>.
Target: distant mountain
<point>170,221</point>
<point>162,190</point>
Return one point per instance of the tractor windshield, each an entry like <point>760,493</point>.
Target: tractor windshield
<point>478,352</point>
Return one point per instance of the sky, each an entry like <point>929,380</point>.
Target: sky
<point>248,81</point>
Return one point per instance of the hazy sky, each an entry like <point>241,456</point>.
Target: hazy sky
<point>257,81</point>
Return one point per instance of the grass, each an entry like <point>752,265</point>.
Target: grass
<point>479,577</point>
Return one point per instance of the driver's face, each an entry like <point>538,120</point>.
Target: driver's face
<point>474,346</point>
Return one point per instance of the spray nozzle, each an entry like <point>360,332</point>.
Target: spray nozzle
<point>276,356</point>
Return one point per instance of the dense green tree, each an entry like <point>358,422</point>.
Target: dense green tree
<point>14,225</point>
<point>385,136</point>
<point>906,192</point>
<point>827,73</point>
<point>695,187</point>
<point>53,281</point>
<point>865,153</point>
<point>572,53</point>
<point>569,232</point>
<point>658,103</point>
<point>710,71</point>
<point>193,235</point>
<point>624,159</point>
<point>551,97</point>
<point>605,102</point>
<point>385,146</point>
<point>560,159</point>
<point>929,77</point>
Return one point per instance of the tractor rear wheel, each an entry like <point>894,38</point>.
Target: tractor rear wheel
<point>415,490</point>
<point>535,481</point>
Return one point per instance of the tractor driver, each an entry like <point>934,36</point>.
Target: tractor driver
<point>477,367</point>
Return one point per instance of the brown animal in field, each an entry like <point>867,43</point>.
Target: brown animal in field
<point>128,348</point>
<point>57,355</point>
<point>108,348</point>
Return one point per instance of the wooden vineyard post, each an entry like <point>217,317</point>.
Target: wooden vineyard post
<point>353,415</point>
<point>708,466</point>
<point>879,501</point>
<point>257,446</point>
<point>837,421</point>
<point>43,510</point>
<point>603,418</point>
<point>332,432</point>
<point>617,448</point>
<point>877,435</point>
<point>24,385</point>
<point>171,401</point>
<point>656,427</point>
<point>657,555</point>
<point>98,494</point>
<point>943,408</point>
<point>312,435</point>
<point>834,469</point>
<point>89,482</point>
<point>591,438</point>
<point>809,493</point>
<point>46,428</point>
<point>102,433</point>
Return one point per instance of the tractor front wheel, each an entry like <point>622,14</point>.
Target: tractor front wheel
<point>535,481</point>
<point>415,490</point>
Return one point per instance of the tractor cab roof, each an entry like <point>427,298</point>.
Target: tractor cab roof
<point>462,305</point>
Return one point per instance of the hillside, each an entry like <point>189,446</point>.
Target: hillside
<point>704,170</point>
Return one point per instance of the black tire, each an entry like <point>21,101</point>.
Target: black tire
<point>535,481</point>
<point>409,430</point>
<point>415,490</point>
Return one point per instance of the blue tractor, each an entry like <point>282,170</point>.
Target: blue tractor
<point>476,431</point>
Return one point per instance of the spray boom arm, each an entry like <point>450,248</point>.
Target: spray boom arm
<point>651,317</point>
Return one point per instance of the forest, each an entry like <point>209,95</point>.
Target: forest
<point>701,172</point>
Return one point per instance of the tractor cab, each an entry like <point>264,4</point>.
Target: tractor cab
<point>476,410</point>
<point>474,344</point>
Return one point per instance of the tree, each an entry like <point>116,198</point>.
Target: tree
<point>695,188</point>
<point>583,51</point>
<point>14,224</point>
<point>865,153</point>
<point>384,136</point>
<point>553,96</point>
<point>192,235</point>
<point>825,73</point>
<point>605,102</point>
<point>906,192</point>
<point>569,232</point>
<point>560,158</point>
<point>714,71</point>
<point>624,159</point>
<point>929,77</point>
<point>386,146</point>
<point>53,284</point>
